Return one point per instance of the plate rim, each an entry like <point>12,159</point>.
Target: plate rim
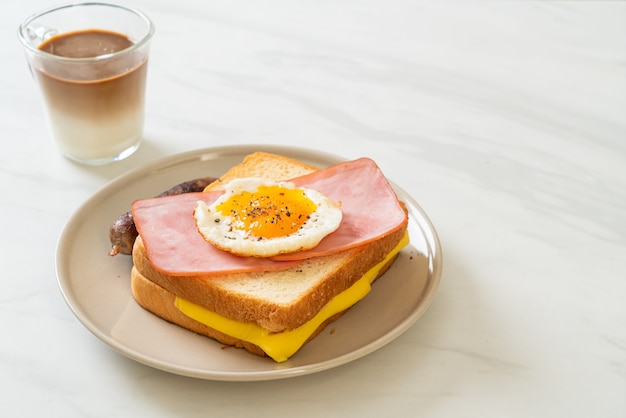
<point>424,224</point>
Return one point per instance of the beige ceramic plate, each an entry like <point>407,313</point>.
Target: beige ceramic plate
<point>96,286</point>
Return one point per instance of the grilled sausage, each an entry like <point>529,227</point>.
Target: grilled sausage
<point>122,233</point>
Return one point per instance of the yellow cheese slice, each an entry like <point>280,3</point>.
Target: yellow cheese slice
<point>280,346</point>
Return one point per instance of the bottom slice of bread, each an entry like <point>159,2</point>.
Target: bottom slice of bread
<point>162,303</point>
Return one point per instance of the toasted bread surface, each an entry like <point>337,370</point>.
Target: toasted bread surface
<point>264,165</point>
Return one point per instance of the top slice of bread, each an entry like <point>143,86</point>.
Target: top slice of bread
<point>278,300</point>
<point>265,165</point>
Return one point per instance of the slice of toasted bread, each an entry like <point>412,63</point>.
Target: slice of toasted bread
<point>161,302</point>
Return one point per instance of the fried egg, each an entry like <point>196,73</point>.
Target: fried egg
<point>262,218</point>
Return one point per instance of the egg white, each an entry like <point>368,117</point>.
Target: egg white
<point>217,228</point>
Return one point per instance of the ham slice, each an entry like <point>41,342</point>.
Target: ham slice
<point>175,247</point>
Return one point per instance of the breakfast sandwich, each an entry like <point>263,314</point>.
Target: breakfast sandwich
<point>270,253</point>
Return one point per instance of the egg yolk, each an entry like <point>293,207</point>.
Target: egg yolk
<point>268,212</point>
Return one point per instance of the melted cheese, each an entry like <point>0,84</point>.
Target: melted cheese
<point>280,346</point>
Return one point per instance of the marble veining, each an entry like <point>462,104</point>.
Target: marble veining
<point>506,121</point>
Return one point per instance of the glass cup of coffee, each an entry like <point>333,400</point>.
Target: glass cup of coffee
<point>90,62</point>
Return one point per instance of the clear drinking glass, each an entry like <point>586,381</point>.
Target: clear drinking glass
<point>90,61</point>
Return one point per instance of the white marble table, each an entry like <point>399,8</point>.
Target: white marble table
<point>506,121</point>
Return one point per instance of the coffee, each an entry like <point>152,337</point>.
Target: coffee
<point>95,106</point>
<point>86,44</point>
